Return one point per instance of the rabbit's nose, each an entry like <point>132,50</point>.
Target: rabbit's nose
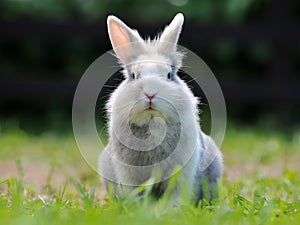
<point>150,96</point>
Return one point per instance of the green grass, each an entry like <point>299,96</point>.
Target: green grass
<point>261,184</point>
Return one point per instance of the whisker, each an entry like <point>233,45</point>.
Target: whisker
<point>110,86</point>
<point>189,81</point>
<point>180,70</point>
<point>115,66</point>
<point>186,66</point>
<point>104,96</point>
<point>118,79</point>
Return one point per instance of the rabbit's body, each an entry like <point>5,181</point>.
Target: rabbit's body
<point>153,119</point>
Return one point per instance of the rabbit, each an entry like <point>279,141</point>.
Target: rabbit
<point>153,121</point>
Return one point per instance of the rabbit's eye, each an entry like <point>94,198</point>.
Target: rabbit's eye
<point>170,76</point>
<point>132,76</point>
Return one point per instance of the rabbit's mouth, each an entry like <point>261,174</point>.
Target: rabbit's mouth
<point>145,116</point>
<point>150,107</point>
<point>151,110</point>
<point>144,110</point>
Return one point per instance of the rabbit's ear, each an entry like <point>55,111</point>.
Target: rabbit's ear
<point>170,35</point>
<point>122,37</point>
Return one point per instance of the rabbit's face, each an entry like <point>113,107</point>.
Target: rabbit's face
<point>152,89</point>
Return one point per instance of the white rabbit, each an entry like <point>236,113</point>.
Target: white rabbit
<point>153,120</point>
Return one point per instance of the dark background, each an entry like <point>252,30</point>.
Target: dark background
<point>253,48</point>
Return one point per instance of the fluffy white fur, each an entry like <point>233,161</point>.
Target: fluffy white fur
<point>155,138</point>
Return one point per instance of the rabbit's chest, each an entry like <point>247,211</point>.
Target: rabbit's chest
<point>145,156</point>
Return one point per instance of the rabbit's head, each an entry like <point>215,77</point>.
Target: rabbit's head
<point>151,87</point>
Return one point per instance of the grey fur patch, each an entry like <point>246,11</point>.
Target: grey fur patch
<point>156,155</point>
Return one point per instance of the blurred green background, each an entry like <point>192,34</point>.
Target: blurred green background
<point>252,47</point>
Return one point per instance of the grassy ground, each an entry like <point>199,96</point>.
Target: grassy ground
<point>44,180</point>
